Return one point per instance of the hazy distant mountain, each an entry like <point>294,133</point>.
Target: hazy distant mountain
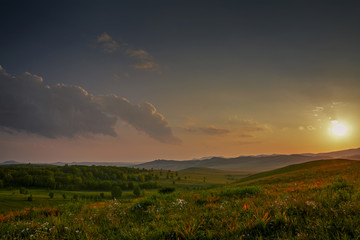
<point>115,164</point>
<point>10,162</point>
<point>250,163</point>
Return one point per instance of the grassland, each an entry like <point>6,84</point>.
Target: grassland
<point>189,179</point>
<point>316,200</point>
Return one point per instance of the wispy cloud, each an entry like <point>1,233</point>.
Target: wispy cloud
<point>145,65</point>
<point>144,60</point>
<point>107,43</point>
<point>212,130</point>
<point>236,128</point>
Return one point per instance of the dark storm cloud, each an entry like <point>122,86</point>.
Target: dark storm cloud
<point>29,105</point>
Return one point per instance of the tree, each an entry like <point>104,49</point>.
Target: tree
<point>116,192</point>
<point>137,191</point>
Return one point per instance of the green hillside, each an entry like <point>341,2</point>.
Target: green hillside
<point>321,169</point>
<point>212,175</point>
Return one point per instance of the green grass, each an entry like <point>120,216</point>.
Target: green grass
<point>316,200</point>
<point>11,200</point>
<point>214,176</point>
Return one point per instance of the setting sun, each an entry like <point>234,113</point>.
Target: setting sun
<point>338,129</point>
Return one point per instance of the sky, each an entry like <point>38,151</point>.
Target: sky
<point>135,81</point>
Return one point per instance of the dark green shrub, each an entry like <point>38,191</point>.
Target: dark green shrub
<point>166,190</point>
<point>75,197</point>
<point>51,195</point>
<point>137,191</point>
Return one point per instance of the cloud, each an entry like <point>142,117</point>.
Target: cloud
<point>29,105</point>
<point>143,117</point>
<point>108,44</point>
<point>239,128</point>
<point>145,65</point>
<point>244,135</point>
<point>248,126</point>
<point>144,60</point>
<point>140,54</point>
<point>214,130</point>
<point>328,111</point>
<point>207,130</point>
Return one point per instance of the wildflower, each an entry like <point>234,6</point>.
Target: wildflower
<point>311,204</point>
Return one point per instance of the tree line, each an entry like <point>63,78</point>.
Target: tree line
<point>102,178</point>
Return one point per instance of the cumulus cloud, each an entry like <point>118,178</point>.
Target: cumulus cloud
<point>143,117</point>
<point>144,60</point>
<point>29,105</point>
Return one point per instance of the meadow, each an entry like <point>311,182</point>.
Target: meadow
<point>315,200</point>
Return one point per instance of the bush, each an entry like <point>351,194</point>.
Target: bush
<point>116,192</point>
<point>102,195</point>
<point>51,195</point>
<point>75,197</point>
<point>30,198</point>
<point>166,190</point>
<point>64,195</point>
<point>137,191</point>
<point>142,205</point>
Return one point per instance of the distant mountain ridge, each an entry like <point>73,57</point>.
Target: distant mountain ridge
<point>254,163</point>
<point>251,163</point>
<point>114,164</point>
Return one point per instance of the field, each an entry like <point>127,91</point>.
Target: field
<point>194,178</point>
<point>315,200</point>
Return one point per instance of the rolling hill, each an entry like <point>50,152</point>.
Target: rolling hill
<point>309,171</point>
<point>250,163</point>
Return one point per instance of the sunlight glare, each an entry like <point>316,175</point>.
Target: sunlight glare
<point>338,129</point>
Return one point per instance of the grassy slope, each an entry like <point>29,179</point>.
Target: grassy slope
<point>306,171</point>
<point>214,176</point>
